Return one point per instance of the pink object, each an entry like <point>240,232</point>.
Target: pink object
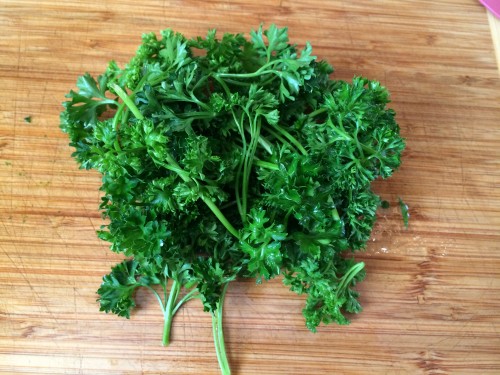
<point>493,6</point>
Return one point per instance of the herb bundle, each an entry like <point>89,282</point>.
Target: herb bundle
<point>233,158</point>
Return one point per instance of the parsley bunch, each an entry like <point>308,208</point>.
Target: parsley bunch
<point>230,158</point>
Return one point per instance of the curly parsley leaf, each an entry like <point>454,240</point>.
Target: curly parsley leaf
<point>90,101</point>
<point>117,290</point>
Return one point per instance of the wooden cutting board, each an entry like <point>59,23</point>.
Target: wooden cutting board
<point>432,295</point>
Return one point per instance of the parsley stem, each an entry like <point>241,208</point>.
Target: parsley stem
<point>248,75</point>
<point>266,164</point>
<point>318,112</point>
<point>348,276</point>
<point>118,115</point>
<point>255,125</point>
<point>218,334</point>
<point>263,141</point>
<point>173,166</point>
<point>156,295</point>
<point>189,296</point>
<point>164,286</point>
<point>128,102</point>
<point>237,83</point>
<point>223,85</point>
<point>220,216</point>
<point>264,69</point>
<point>239,169</point>
<point>168,313</point>
<point>197,115</point>
<point>291,138</point>
<point>281,139</point>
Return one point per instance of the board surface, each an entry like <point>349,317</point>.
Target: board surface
<point>432,294</point>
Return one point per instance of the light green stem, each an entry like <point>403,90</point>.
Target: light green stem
<point>349,275</point>
<point>220,347</point>
<point>248,161</point>
<point>156,295</point>
<point>266,165</point>
<point>317,112</point>
<point>192,294</point>
<point>264,69</point>
<point>291,138</point>
<point>128,102</point>
<point>169,311</point>
<point>211,205</point>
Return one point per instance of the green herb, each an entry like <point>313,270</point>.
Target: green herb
<point>233,158</point>
<point>27,119</point>
<point>404,212</point>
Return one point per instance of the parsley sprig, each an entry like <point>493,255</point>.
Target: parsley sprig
<point>233,158</point>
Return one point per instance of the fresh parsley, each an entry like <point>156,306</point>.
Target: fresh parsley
<point>233,158</point>
<point>405,212</point>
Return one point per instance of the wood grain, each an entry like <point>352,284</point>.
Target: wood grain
<point>495,35</point>
<point>431,297</point>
